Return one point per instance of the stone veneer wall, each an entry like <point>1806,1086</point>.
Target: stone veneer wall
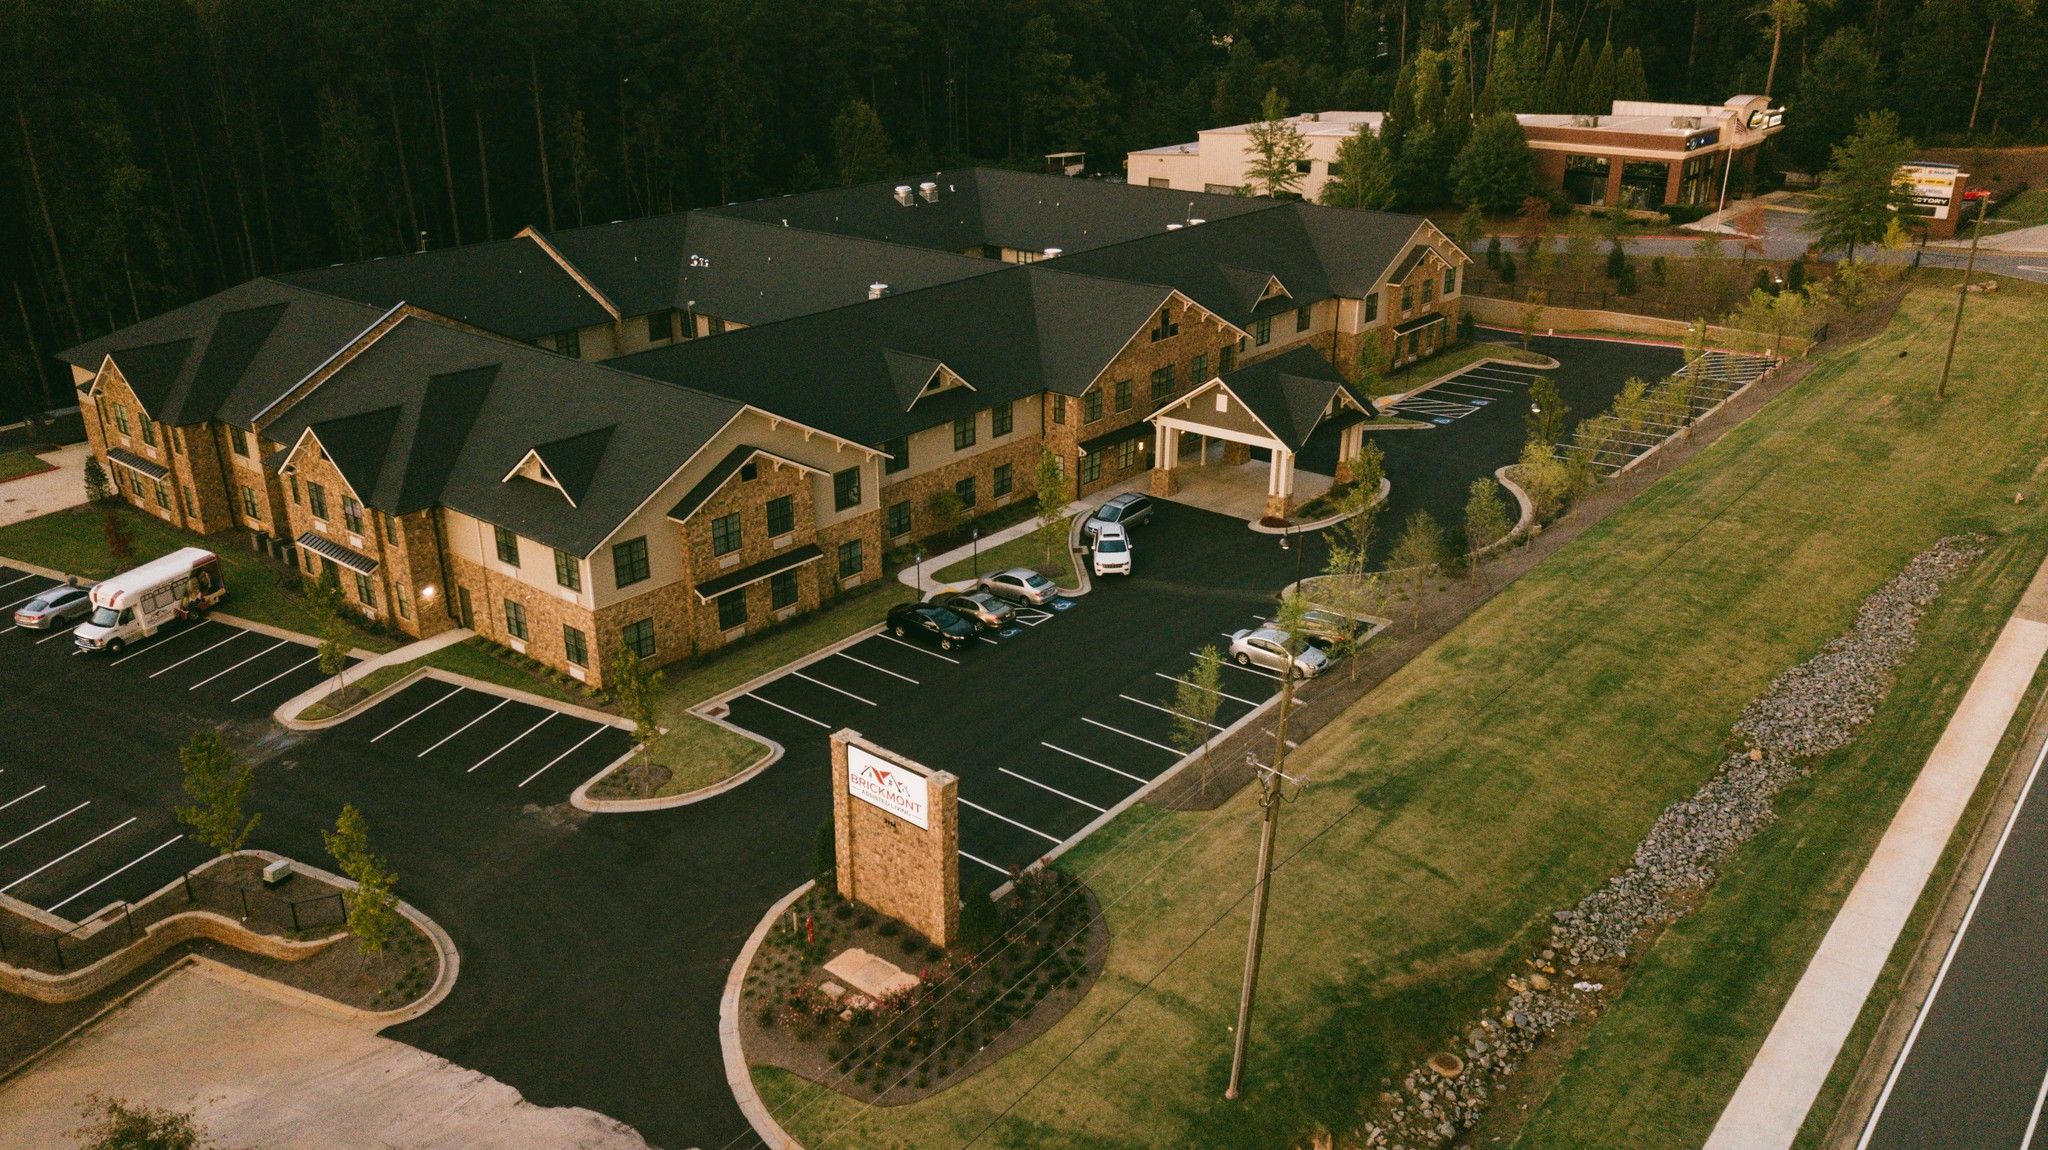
<point>910,874</point>
<point>1021,452</point>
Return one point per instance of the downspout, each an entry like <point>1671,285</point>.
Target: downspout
<point>441,557</point>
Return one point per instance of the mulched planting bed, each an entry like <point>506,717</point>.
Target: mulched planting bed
<point>971,1007</point>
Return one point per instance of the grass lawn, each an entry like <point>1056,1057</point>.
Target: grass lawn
<point>74,540</point>
<point>1446,362</point>
<point>473,657</point>
<point>2029,207</point>
<point>1506,771</point>
<point>1022,551</point>
<point>17,463</point>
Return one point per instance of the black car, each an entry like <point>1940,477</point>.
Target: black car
<point>933,624</point>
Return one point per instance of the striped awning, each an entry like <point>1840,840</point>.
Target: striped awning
<point>134,462</point>
<point>328,548</point>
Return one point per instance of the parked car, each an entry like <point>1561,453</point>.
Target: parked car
<point>977,607</point>
<point>1328,628</point>
<point>932,624</point>
<point>54,608</point>
<point>1128,510</point>
<point>1021,585</point>
<point>1112,551</point>
<point>1267,647</point>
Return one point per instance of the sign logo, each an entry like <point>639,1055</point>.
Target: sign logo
<point>880,783</point>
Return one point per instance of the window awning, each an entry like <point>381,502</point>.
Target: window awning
<point>1109,439</point>
<point>327,548</point>
<point>796,557</point>
<point>134,462</point>
<point>1419,322</point>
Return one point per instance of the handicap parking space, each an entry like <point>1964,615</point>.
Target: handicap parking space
<point>535,753</point>
<point>1477,387</point>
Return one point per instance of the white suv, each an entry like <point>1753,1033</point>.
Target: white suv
<point>1112,550</point>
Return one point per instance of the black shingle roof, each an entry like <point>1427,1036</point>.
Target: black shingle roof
<point>512,287</point>
<point>1290,392</point>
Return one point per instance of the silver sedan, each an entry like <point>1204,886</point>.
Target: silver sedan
<point>54,608</point>
<point>1267,647</point>
<point>978,607</point>
<point>1021,585</point>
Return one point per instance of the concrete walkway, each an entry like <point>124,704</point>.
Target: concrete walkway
<point>42,493</point>
<point>2019,241</point>
<point>1772,1102</point>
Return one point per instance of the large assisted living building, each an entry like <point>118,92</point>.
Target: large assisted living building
<point>660,435</point>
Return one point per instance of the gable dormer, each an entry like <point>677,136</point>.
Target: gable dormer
<point>919,377</point>
<point>568,464</point>
<point>532,466</point>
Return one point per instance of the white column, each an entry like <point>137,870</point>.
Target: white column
<point>1165,447</point>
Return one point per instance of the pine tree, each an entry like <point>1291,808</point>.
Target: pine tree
<point>1630,81</point>
<point>1496,169</point>
<point>1363,175</point>
<point>1579,90</point>
<point>1600,86</point>
<point>97,489</point>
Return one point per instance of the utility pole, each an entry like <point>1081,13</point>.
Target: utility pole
<point>1962,293</point>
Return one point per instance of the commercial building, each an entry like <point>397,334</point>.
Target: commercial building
<point>785,386</point>
<point>1640,154</point>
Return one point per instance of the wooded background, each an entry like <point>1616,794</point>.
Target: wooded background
<point>158,150</point>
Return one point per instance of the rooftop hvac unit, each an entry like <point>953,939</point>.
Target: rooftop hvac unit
<point>1175,227</point>
<point>928,192</point>
<point>1197,220</point>
<point>877,290</point>
<point>903,194</point>
<point>1052,253</point>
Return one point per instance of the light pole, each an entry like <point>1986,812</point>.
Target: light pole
<point>1963,293</point>
<point>919,561</point>
<point>974,537</point>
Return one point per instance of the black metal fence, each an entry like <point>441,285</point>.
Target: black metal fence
<point>292,909</point>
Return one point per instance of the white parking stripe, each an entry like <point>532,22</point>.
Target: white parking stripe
<point>18,798</point>
<point>830,687</point>
<point>240,665</point>
<point>273,679</point>
<point>196,654</point>
<point>20,601</point>
<point>1009,820</point>
<point>462,728</point>
<point>12,582</point>
<point>918,649</point>
<point>10,627</point>
<point>58,634</point>
<point>501,750</point>
<point>109,876</point>
<point>1094,763</point>
<point>1234,665</point>
<point>984,862</point>
<point>67,854</point>
<point>872,667</point>
<point>1198,687</point>
<point>170,638</point>
<point>418,713</point>
<point>1128,735</point>
<point>58,819</point>
<point>1168,710</point>
<point>1054,790</point>
<point>601,729</point>
<point>780,707</point>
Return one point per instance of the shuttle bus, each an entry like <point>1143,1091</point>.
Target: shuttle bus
<point>134,604</point>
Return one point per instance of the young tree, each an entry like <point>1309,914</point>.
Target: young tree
<point>120,544</point>
<point>1582,250</point>
<point>1196,698</point>
<point>860,145</point>
<point>1709,257</point>
<point>218,783</point>
<point>1752,222</point>
<point>1544,423</point>
<point>1617,259</point>
<point>1495,169</point>
<point>1471,228</point>
<point>946,510</point>
<point>1543,478</point>
<point>1363,176</point>
<point>372,907</point>
<point>1486,519</point>
<point>114,1124</point>
<point>637,687</point>
<point>1351,538</point>
<point>1493,252</point>
<point>1531,314</point>
<point>1371,365</point>
<point>1507,268</point>
<point>1418,552</point>
<point>1051,531</point>
<point>1535,224</point>
<point>1275,150</point>
<point>1858,195</point>
<point>323,601</point>
<point>97,489</point>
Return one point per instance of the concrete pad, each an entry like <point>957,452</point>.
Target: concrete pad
<point>257,1072</point>
<point>40,494</point>
<point>1239,490</point>
<point>871,974</point>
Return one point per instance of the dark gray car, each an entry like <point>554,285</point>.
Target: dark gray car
<point>978,607</point>
<point>1129,510</point>
<point>54,608</point>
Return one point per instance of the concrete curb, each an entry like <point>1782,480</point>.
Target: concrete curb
<point>286,634</point>
<point>1523,523</point>
<point>581,800</point>
<point>1392,398</point>
<point>1327,522</point>
<point>737,1076</point>
<point>46,572</point>
<point>287,712</point>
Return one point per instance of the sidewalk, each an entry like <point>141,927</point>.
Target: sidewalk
<point>910,576</point>
<point>1772,1101</point>
<point>44,492</point>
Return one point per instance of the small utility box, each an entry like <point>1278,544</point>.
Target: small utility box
<point>276,873</point>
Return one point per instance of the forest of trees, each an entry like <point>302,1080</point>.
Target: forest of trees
<point>157,150</point>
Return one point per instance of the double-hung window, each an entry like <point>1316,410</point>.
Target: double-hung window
<point>352,514</point>
<point>1001,419</point>
<point>846,489</point>
<point>515,619</point>
<point>568,570</point>
<point>963,432</point>
<point>629,563</point>
<point>781,515</point>
<point>316,498</point>
<point>508,547</point>
<point>725,534</point>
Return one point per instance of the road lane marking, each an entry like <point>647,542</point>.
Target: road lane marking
<point>1009,820</point>
<point>830,687</point>
<point>872,667</point>
<point>984,862</point>
<point>601,729</point>
<point>18,798</point>
<point>462,728</point>
<point>1199,687</point>
<point>1169,710</point>
<point>67,854</point>
<point>780,707</point>
<point>111,875</point>
<point>170,638</point>
<point>196,654</point>
<point>1094,763</point>
<point>418,713</point>
<point>273,679</point>
<point>1128,735</point>
<point>501,750</point>
<point>1054,790</point>
<point>918,649</point>
<point>240,665</point>
<point>58,819</point>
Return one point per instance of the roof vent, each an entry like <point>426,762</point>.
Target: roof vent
<point>1174,227</point>
<point>877,290</point>
<point>1052,253</point>
<point>903,194</point>
<point>928,192</point>
<point>1197,220</point>
<point>1312,117</point>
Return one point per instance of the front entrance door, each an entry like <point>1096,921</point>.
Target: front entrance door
<point>462,612</point>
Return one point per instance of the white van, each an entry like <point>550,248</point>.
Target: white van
<point>133,604</point>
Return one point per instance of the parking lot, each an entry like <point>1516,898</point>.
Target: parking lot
<point>1478,386</point>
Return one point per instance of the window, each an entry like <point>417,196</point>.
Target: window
<point>781,590</point>
<point>898,451</point>
<point>965,490</point>
<point>1091,467</point>
<point>1372,307</point>
<point>121,418</point>
<point>1302,166</point>
<point>1301,319</point>
<point>732,609</point>
<point>1198,370</point>
<point>638,637</point>
<point>1059,409</point>
<point>963,432</point>
<point>1123,395</point>
<point>568,570</point>
<point>399,601</point>
<point>295,488</point>
<point>390,528</point>
<point>574,648</point>
<point>1166,328</point>
<point>163,497</point>
<point>515,620</point>
<point>781,515</point>
<point>352,514</point>
<point>846,489</point>
<point>1450,281</point>
<point>850,562</point>
<point>725,534</point>
<point>149,432</point>
<point>1091,406</point>
<point>1162,384</point>
<point>239,440</point>
<point>1262,331</point>
<point>249,501</point>
<point>714,325</point>
<point>366,591</point>
<point>1127,455</point>
<point>1428,290</point>
<point>570,343</point>
<point>899,518</point>
<point>661,325</point>
<point>1226,359</point>
<point>316,498</point>
<point>1004,480</point>
<point>629,561</point>
<point>508,547</point>
<point>1407,299</point>
<point>178,440</point>
<point>185,500</point>
<point>1001,420</point>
